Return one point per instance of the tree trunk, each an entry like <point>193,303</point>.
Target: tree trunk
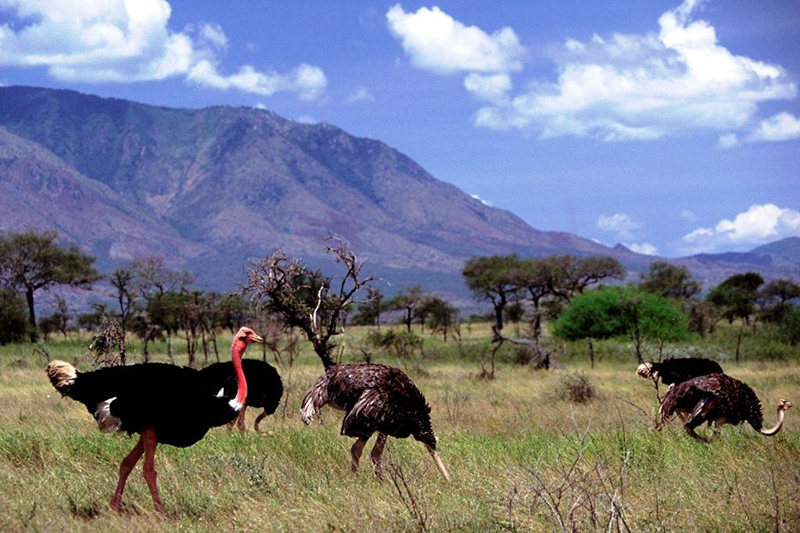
<point>145,351</point>
<point>738,344</point>
<point>591,352</point>
<point>31,314</point>
<point>169,348</point>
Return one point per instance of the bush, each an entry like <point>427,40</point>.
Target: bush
<point>13,317</point>
<point>617,311</point>
<point>789,327</point>
<point>403,344</point>
<point>576,388</point>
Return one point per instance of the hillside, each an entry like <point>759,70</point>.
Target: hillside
<point>213,188</point>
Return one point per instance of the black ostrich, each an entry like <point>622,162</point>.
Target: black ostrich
<point>376,399</point>
<point>164,403</point>
<point>672,371</point>
<point>718,399</point>
<point>264,387</point>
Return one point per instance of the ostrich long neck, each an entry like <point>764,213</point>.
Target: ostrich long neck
<point>237,350</point>
<point>778,425</point>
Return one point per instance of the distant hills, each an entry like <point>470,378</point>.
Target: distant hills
<point>212,188</point>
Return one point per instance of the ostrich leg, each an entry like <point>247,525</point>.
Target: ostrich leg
<point>377,452</point>
<point>240,419</point>
<point>125,468</point>
<point>355,453</point>
<point>150,439</point>
<point>259,418</point>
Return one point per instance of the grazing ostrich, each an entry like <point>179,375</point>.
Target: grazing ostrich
<point>264,387</point>
<point>163,403</point>
<point>375,398</point>
<point>718,399</point>
<point>673,371</point>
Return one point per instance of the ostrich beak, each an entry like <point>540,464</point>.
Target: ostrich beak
<point>257,338</point>
<point>439,463</point>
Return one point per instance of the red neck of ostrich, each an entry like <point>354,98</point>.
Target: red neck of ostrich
<point>237,351</point>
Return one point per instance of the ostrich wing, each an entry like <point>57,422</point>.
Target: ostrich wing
<point>372,412</point>
<point>316,397</point>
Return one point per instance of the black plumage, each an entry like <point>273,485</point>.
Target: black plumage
<point>163,403</point>
<point>672,371</point>
<point>264,386</point>
<point>718,399</point>
<point>376,399</point>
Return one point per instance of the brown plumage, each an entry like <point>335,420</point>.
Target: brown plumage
<point>718,399</point>
<point>376,399</point>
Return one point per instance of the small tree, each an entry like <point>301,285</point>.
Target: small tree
<point>736,296</point>
<point>569,275</point>
<point>441,315</point>
<point>34,262</point>
<point>369,311</point>
<point>306,299</point>
<point>492,278</point>
<point>407,301</point>
<point>669,281</point>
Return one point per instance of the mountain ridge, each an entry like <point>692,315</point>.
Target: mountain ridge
<point>212,188</point>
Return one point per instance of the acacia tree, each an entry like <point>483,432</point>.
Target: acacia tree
<point>407,301</point>
<point>570,275</point>
<point>736,296</point>
<point>492,278</point>
<point>306,299</point>
<point>669,280</point>
<point>34,262</point>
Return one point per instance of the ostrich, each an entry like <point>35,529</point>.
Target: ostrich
<point>264,387</point>
<point>375,398</point>
<point>718,399</point>
<point>673,371</point>
<point>163,403</point>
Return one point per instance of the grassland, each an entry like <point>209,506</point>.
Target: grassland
<point>521,457</point>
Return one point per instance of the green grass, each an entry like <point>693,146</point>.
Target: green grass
<point>520,458</point>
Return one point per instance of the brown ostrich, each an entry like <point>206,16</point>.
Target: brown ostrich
<point>718,399</point>
<point>376,399</point>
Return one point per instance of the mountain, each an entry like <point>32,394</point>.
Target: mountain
<point>211,189</point>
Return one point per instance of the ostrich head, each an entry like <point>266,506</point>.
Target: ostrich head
<point>424,434</point>
<point>248,336</point>
<point>784,405</point>
<point>645,370</point>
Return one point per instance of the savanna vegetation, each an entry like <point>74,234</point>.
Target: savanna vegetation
<point>567,446</point>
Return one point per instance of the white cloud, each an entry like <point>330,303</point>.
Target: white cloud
<point>213,33</point>
<point>481,200</point>
<point>758,225</point>
<point>307,119</point>
<point>728,141</point>
<point>123,41</point>
<point>625,87</point>
<point>361,94</point>
<point>644,248</point>
<point>492,88</point>
<point>780,127</point>
<point>624,226</point>
<point>688,214</point>
<point>435,41</point>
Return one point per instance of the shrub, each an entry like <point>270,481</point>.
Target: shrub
<point>576,388</point>
<point>617,311</point>
<point>403,344</point>
<point>789,327</point>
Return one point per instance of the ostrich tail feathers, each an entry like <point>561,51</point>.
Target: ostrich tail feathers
<point>62,375</point>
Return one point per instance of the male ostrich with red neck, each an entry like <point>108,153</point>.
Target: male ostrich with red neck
<point>164,403</point>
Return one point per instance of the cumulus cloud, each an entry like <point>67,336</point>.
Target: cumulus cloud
<point>758,225</point>
<point>780,127</point>
<point>728,141</point>
<point>361,94</point>
<point>622,225</point>
<point>623,87</point>
<point>644,248</point>
<point>435,41</point>
<point>123,41</point>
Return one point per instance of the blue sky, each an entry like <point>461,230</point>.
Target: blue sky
<point>671,127</point>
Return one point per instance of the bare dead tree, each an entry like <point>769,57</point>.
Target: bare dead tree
<point>306,299</point>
